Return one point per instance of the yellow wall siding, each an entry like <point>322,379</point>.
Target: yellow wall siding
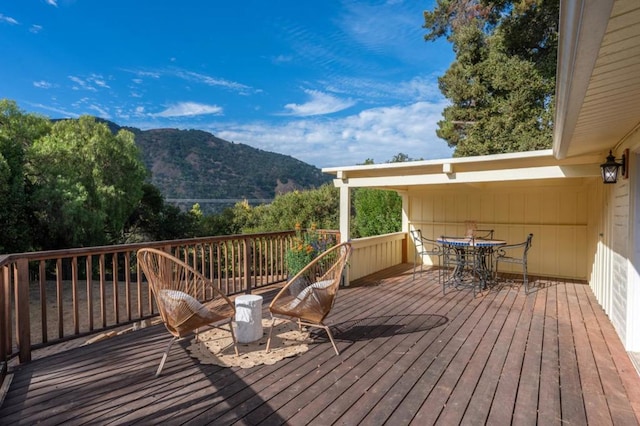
<point>373,254</point>
<point>556,212</point>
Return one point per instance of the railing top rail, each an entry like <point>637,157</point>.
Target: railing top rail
<point>85,251</point>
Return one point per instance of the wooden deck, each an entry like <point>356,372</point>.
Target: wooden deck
<point>409,355</point>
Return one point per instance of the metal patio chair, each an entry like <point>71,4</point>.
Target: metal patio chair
<point>515,254</point>
<point>425,247</point>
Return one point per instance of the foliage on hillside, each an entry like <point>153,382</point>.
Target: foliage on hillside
<point>194,164</point>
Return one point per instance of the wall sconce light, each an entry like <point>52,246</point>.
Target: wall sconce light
<point>610,168</point>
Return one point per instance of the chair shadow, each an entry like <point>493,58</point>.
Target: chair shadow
<point>516,281</point>
<point>386,326</point>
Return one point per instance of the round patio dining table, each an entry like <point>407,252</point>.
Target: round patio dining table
<point>472,260</point>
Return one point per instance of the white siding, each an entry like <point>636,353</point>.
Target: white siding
<point>615,278</point>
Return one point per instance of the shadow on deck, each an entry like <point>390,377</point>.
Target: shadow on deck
<point>409,354</point>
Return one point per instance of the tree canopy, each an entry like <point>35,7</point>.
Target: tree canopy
<point>87,180</point>
<point>501,85</point>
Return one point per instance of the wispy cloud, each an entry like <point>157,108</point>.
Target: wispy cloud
<point>42,84</point>
<point>62,112</point>
<point>319,104</point>
<point>8,19</point>
<point>89,83</point>
<point>81,84</point>
<point>419,88</point>
<point>281,59</point>
<point>142,73</point>
<point>52,2</point>
<point>100,110</point>
<point>212,81</point>
<point>391,29</point>
<point>35,28</point>
<point>184,109</point>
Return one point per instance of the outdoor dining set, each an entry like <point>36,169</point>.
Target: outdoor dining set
<point>472,260</point>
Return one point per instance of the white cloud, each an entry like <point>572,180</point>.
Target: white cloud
<point>211,81</point>
<point>319,104</point>
<point>8,19</point>
<point>184,109</point>
<point>42,84</point>
<point>89,83</point>
<point>98,80</point>
<point>281,59</point>
<point>35,29</point>
<point>61,112</point>
<point>377,133</point>
<point>101,111</point>
<point>81,84</point>
<point>52,2</point>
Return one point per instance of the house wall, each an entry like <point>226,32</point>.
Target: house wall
<point>615,282</point>
<point>559,213</point>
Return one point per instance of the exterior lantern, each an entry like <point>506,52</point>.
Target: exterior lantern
<point>610,168</point>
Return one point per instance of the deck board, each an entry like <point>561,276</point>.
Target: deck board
<point>409,355</point>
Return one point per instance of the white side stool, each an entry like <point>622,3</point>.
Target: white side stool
<point>248,318</point>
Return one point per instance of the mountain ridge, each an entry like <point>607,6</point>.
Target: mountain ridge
<point>195,164</point>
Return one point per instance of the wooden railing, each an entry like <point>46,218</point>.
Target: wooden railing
<point>48,297</point>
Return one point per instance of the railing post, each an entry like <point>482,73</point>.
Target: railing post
<point>5,318</point>
<point>248,244</point>
<point>23,322</point>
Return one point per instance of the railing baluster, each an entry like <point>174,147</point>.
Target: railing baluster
<point>42,285</point>
<point>115,285</point>
<point>127,282</point>
<point>89,274</point>
<point>74,294</point>
<point>103,298</point>
<point>59,298</point>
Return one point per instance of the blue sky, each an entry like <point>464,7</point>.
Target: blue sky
<point>331,83</point>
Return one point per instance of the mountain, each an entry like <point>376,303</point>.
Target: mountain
<point>196,165</point>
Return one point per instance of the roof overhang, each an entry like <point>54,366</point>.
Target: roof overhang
<point>521,166</point>
<point>598,76</point>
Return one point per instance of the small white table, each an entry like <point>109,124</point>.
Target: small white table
<point>248,318</point>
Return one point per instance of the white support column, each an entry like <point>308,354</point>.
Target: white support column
<point>345,219</point>
<point>408,244</point>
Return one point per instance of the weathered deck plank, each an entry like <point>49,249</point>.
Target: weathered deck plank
<point>409,354</point>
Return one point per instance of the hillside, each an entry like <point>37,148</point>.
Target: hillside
<point>193,164</point>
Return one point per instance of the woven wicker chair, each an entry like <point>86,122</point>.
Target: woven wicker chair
<point>309,296</point>
<point>186,300</point>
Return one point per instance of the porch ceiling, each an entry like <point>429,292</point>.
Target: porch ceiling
<point>598,85</point>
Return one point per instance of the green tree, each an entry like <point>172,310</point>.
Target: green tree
<point>502,83</point>
<point>18,130</point>
<point>154,220</point>
<point>87,183</point>
<point>316,206</point>
<point>377,212</point>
